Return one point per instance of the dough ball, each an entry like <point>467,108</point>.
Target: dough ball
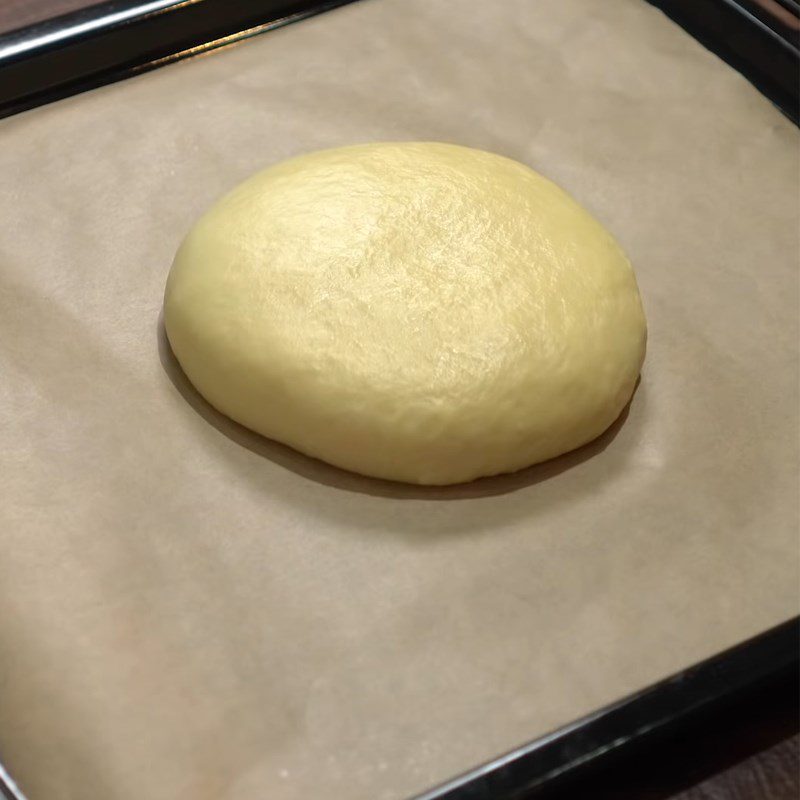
<point>414,311</point>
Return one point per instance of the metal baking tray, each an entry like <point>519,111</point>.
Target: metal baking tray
<point>114,40</point>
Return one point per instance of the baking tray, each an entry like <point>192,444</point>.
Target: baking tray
<point>120,38</point>
<point>111,41</point>
<point>758,678</point>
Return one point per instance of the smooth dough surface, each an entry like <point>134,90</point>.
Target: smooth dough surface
<point>413,311</point>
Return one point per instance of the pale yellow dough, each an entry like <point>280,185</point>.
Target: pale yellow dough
<point>420,312</point>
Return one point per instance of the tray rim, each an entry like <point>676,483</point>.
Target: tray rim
<point>673,705</point>
<point>103,43</point>
<point>116,39</point>
<point>769,661</point>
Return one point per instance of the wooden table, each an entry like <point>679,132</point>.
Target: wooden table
<point>756,758</point>
<point>772,773</point>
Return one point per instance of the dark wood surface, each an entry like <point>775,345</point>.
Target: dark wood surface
<point>759,762</point>
<point>772,773</point>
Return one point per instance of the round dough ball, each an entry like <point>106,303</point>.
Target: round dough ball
<point>414,311</point>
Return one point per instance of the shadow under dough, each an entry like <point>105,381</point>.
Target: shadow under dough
<point>329,475</point>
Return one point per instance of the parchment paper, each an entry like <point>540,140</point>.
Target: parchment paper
<point>188,611</point>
